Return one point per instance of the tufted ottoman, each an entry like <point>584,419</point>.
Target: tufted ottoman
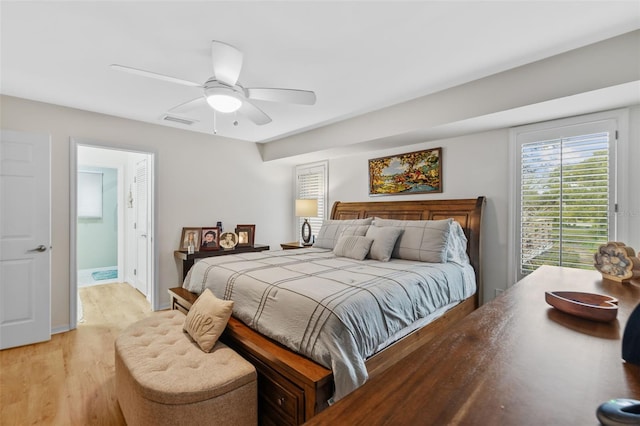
<point>164,378</point>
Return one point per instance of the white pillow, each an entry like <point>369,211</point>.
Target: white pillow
<point>384,240</point>
<point>332,229</point>
<point>422,240</point>
<point>457,246</point>
<point>354,247</point>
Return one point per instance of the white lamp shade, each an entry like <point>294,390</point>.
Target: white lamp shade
<point>307,208</point>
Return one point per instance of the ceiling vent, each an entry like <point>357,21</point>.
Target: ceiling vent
<point>180,120</point>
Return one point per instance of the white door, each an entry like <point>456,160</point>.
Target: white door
<point>25,239</point>
<point>142,227</point>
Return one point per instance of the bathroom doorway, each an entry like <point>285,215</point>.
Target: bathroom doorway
<point>113,217</point>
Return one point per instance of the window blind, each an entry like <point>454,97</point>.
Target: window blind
<point>311,184</point>
<point>565,199</point>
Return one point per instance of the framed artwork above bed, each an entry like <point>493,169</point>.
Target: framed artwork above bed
<point>418,172</point>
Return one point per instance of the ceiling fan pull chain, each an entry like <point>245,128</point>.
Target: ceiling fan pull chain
<point>215,128</point>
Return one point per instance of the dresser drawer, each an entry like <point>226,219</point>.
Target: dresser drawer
<point>279,401</point>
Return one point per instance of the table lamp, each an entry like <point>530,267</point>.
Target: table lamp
<point>306,209</point>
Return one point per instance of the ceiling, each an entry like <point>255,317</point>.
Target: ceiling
<point>358,57</point>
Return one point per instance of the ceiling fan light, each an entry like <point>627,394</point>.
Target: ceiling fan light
<point>224,103</point>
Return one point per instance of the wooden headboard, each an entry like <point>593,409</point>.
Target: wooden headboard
<point>467,212</point>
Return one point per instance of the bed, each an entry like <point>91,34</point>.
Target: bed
<point>347,344</point>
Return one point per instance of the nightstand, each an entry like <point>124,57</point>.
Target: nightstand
<point>189,259</point>
<point>294,245</point>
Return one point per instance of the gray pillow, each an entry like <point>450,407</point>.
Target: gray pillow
<point>422,240</point>
<point>332,229</point>
<point>355,230</point>
<point>354,247</point>
<point>384,240</point>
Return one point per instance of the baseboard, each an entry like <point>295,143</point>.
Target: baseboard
<point>60,329</point>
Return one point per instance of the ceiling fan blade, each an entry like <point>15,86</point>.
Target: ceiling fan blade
<point>254,113</point>
<point>189,105</point>
<point>227,62</point>
<point>154,75</point>
<point>291,96</point>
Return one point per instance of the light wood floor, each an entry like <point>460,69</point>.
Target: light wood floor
<point>70,379</point>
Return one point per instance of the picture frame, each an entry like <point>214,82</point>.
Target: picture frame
<point>210,238</point>
<point>246,235</point>
<point>417,172</point>
<point>228,240</point>
<point>190,234</point>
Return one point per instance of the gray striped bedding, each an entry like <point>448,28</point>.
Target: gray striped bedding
<point>335,310</point>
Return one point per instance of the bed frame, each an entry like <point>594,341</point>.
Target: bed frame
<point>291,387</point>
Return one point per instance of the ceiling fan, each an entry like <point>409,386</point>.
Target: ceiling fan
<point>224,93</point>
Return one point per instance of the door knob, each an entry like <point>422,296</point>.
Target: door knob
<point>40,248</point>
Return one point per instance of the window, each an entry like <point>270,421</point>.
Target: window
<point>311,183</point>
<point>90,195</point>
<point>565,192</point>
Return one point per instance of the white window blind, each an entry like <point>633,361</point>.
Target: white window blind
<point>311,183</point>
<point>90,195</point>
<point>567,197</point>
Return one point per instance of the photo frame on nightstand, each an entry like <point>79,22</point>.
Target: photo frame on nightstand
<point>228,240</point>
<point>190,237</point>
<point>246,235</point>
<point>210,238</point>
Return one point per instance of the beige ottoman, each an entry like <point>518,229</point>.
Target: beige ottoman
<point>164,378</point>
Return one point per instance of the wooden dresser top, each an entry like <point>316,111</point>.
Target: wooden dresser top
<point>514,361</point>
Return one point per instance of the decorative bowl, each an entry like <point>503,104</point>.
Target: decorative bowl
<point>596,307</point>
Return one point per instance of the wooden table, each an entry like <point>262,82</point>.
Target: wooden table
<point>514,361</point>
<point>189,259</point>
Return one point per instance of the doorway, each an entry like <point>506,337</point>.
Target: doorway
<point>112,220</point>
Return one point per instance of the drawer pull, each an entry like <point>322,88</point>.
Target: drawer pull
<point>281,401</point>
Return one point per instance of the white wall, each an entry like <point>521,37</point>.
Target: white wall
<point>201,179</point>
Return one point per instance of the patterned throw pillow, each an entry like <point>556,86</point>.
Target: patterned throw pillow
<point>207,319</point>
<point>354,247</point>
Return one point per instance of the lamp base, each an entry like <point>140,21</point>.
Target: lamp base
<point>305,232</point>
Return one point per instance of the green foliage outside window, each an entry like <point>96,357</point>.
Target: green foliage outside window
<point>564,201</point>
